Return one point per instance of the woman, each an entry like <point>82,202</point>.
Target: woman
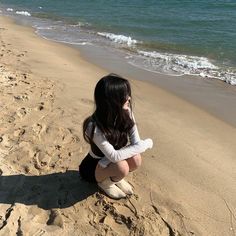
<point>115,145</point>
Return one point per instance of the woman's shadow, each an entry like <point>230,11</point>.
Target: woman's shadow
<point>58,190</point>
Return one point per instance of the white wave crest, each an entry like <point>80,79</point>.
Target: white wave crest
<point>43,27</point>
<point>184,61</point>
<point>121,39</point>
<point>24,13</point>
<point>186,65</point>
<point>9,9</point>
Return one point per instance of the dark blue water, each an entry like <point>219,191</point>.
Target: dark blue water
<point>168,36</point>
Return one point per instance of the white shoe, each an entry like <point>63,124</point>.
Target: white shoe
<point>125,186</point>
<point>111,189</point>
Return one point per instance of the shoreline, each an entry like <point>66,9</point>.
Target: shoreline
<point>189,61</point>
<point>185,182</point>
<point>212,95</point>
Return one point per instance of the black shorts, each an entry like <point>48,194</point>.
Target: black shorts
<point>87,168</point>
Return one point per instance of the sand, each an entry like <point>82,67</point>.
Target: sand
<point>186,185</point>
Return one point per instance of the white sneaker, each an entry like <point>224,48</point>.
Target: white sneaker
<point>125,186</point>
<point>111,189</point>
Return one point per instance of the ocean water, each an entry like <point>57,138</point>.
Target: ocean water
<point>164,36</point>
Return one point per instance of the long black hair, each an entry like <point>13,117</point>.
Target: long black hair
<point>111,93</point>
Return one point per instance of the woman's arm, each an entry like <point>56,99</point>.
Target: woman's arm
<point>133,133</point>
<point>124,153</point>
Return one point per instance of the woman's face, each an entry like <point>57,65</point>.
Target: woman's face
<point>126,106</point>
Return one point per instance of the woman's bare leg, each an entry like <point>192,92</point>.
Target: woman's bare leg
<point>119,170</point>
<point>134,162</point>
<point>116,171</point>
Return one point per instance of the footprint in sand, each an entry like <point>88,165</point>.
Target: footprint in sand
<point>7,118</point>
<point>26,169</point>
<point>11,78</point>
<point>20,55</point>
<point>25,82</point>
<point>24,76</point>
<point>39,107</point>
<point>7,80</point>
<point>22,97</point>
<point>120,211</point>
<point>32,159</point>
<point>21,112</point>
<point>37,128</point>
<point>19,132</point>
<point>40,159</point>
<point>68,137</point>
<point>7,141</point>
<point>38,215</point>
<point>55,218</point>
<point>117,216</point>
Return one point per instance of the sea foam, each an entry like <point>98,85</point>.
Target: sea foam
<point>24,13</point>
<point>9,9</point>
<point>121,39</point>
<point>175,64</point>
<point>183,61</point>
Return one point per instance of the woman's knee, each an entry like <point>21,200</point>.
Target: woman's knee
<point>115,170</point>
<point>134,162</point>
<point>122,168</point>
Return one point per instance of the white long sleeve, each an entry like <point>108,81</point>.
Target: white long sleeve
<point>118,155</point>
<point>134,135</point>
<point>135,147</point>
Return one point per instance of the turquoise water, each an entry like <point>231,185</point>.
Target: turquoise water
<point>168,36</point>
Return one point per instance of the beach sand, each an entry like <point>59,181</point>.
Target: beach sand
<point>187,182</point>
